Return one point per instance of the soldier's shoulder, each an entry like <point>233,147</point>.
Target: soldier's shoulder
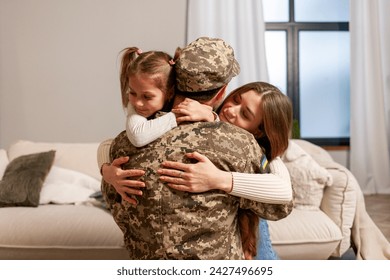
<point>119,138</point>
<point>230,128</point>
<point>120,135</point>
<point>214,125</point>
<point>120,142</point>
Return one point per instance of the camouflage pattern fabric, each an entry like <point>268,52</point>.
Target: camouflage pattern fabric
<point>169,224</point>
<point>205,64</point>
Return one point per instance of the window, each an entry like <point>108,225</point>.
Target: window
<point>307,48</point>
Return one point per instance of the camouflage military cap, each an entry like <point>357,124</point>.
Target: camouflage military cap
<point>205,64</point>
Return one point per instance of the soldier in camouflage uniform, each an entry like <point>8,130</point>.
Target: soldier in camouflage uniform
<point>170,224</point>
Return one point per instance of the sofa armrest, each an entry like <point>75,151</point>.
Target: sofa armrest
<point>339,199</point>
<point>339,203</point>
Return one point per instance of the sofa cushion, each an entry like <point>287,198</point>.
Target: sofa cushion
<point>320,155</point>
<point>23,179</point>
<point>60,232</point>
<point>308,178</point>
<point>80,157</point>
<point>3,162</point>
<point>304,235</point>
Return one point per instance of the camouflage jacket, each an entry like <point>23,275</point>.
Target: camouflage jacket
<point>170,224</point>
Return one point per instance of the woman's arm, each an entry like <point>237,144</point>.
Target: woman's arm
<point>203,176</point>
<point>103,152</point>
<point>274,187</point>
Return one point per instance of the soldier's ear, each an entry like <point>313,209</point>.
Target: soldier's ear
<point>221,94</point>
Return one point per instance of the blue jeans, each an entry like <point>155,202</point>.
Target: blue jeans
<point>264,248</point>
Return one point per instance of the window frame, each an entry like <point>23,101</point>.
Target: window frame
<point>292,29</point>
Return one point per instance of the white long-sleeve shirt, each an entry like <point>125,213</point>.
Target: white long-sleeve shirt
<point>274,187</point>
<point>142,131</point>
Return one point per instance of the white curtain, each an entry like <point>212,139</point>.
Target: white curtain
<point>238,22</point>
<point>370,94</point>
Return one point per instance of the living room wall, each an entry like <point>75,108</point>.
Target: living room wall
<point>59,63</point>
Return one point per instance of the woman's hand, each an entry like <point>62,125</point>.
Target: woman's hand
<point>191,110</point>
<point>195,178</point>
<point>121,179</point>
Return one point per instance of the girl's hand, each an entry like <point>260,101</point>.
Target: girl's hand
<point>191,110</point>
<point>195,178</point>
<point>121,179</point>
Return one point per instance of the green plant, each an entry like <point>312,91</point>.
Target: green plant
<point>296,132</point>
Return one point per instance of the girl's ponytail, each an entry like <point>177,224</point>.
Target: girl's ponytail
<point>128,57</point>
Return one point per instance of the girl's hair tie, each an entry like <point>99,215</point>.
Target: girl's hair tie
<point>139,51</point>
<point>171,62</point>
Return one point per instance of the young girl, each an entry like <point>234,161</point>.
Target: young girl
<point>147,86</point>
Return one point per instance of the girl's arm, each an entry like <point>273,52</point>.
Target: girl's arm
<point>190,110</point>
<point>142,131</point>
<point>274,188</point>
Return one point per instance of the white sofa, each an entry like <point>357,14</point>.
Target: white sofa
<point>84,230</point>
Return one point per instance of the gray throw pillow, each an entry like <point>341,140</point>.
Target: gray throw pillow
<point>23,179</point>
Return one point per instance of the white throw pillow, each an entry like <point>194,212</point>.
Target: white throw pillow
<point>308,178</point>
<point>3,162</point>
<point>65,186</point>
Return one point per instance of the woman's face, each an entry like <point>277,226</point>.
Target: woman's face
<point>145,96</point>
<point>243,110</point>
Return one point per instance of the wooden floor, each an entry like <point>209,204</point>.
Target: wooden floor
<point>378,207</point>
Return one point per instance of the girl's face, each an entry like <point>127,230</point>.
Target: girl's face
<point>243,110</point>
<point>145,96</point>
